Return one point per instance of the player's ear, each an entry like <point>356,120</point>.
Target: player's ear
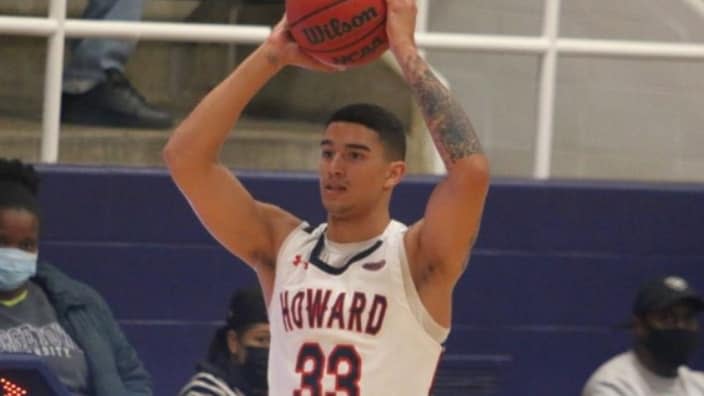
<point>395,172</point>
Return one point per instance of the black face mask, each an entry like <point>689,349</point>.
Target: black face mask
<point>255,367</point>
<point>672,347</point>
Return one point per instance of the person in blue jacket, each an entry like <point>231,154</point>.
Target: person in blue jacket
<point>46,313</point>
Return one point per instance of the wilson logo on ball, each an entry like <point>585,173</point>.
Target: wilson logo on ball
<point>336,28</point>
<point>339,32</point>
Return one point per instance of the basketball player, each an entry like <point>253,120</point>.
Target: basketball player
<point>360,305</point>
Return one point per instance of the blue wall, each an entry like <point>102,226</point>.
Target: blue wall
<point>554,270</point>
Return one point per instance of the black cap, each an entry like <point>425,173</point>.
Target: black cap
<point>664,292</point>
<point>246,307</point>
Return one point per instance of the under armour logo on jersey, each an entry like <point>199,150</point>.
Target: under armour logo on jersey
<point>374,265</point>
<point>298,260</point>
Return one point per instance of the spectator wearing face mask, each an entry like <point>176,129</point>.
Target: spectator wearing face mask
<point>46,313</point>
<point>666,333</point>
<point>236,363</point>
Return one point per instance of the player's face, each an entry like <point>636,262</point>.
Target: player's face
<point>19,229</point>
<point>353,169</point>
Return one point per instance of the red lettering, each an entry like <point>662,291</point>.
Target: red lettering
<point>297,309</point>
<point>376,315</point>
<point>336,313</point>
<point>316,306</point>
<point>285,311</point>
<point>358,302</point>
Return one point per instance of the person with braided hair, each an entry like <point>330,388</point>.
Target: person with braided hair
<point>46,313</point>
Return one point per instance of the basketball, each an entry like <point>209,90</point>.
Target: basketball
<point>339,32</point>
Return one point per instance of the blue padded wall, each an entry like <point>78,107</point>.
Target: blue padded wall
<point>554,270</point>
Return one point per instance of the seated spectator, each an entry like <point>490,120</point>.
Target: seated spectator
<point>665,330</point>
<point>46,313</point>
<point>236,363</point>
<point>95,89</point>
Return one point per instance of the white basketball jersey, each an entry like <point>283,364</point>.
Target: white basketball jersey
<point>344,320</point>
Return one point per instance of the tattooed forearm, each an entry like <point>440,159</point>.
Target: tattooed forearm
<point>449,125</point>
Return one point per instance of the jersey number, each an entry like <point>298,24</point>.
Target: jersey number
<point>312,375</point>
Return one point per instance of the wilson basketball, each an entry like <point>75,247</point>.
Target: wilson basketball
<point>339,32</point>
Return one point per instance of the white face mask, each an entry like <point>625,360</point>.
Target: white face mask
<point>16,266</point>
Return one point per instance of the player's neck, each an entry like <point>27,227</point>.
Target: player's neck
<point>356,228</point>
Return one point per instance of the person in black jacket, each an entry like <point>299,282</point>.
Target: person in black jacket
<point>236,363</point>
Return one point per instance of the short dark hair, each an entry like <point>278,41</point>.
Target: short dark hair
<point>19,186</point>
<point>387,126</point>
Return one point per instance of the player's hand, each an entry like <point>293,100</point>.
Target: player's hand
<point>284,50</point>
<point>401,24</point>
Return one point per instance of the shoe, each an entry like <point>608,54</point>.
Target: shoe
<point>114,102</point>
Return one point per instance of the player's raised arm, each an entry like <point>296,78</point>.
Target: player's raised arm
<point>247,228</point>
<point>439,244</point>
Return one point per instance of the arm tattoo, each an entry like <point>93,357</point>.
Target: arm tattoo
<point>449,126</point>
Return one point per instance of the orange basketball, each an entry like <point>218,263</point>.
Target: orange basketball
<point>339,32</point>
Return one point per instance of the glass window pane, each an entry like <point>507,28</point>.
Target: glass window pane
<point>509,17</point>
<point>629,119</point>
<point>21,95</point>
<point>25,8</point>
<point>653,20</point>
<point>170,76</point>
